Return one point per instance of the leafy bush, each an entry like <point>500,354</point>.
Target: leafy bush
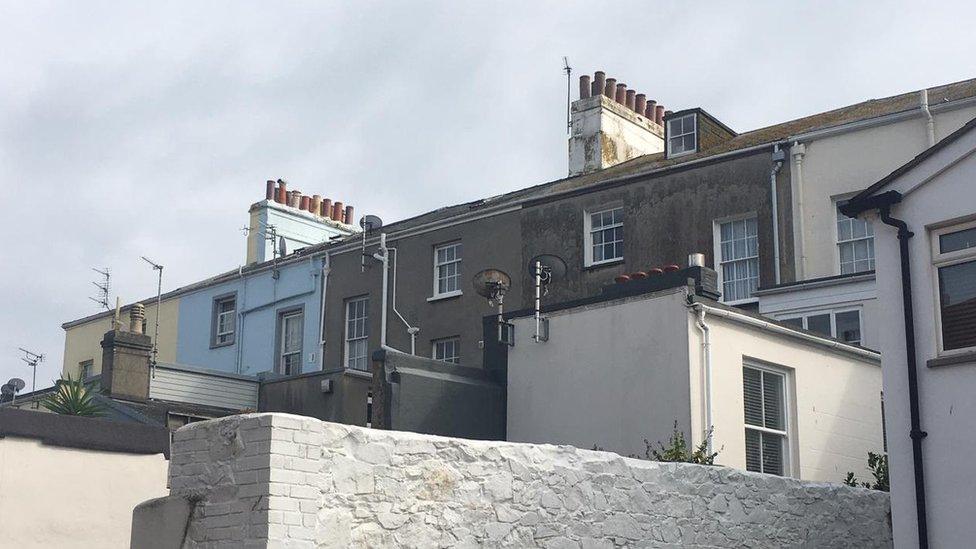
<point>878,464</point>
<point>677,449</point>
<point>72,398</point>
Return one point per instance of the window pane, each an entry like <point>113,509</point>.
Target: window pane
<point>848,326</point>
<point>772,454</point>
<point>819,324</point>
<point>773,401</point>
<point>293,333</point>
<point>753,451</point>
<point>752,395</point>
<point>795,322</point>
<point>959,240</point>
<point>957,296</point>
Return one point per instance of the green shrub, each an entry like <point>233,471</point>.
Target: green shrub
<point>72,398</point>
<point>878,464</point>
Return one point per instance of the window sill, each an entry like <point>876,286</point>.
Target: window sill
<point>220,345</point>
<point>736,303</point>
<point>448,295</point>
<point>610,263</point>
<point>952,360</point>
<point>358,373</point>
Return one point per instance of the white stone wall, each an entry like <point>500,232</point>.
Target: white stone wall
<point>275,480</point>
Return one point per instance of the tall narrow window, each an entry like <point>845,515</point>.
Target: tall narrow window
<point>291,325</point>
<point>224,321</point>
<point>448,349</point>
<point>604,236</point>
<point>447,269</point>
<point>681,135</point>
<point>954,254</point>
<point>765,413</point>
<point>855,243</point>
<point>85,369</point>
<point>357,333</point>
<point>739,259</point>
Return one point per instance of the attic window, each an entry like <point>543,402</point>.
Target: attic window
<point>681,135</point>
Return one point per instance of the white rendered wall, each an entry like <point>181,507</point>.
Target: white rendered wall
<point>300,229</point>
<point>948,409</point>
<point>274,480</point>
<point>51,496</point>
<point>837,166</point>
<point>834,402</point>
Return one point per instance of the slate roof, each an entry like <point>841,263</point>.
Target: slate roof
<point>634,168</point>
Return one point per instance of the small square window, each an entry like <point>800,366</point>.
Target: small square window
<point>448,349</point>
<point>682,136</point>
<point>604,236</point>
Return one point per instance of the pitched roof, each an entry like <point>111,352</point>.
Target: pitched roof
<point>632,169</point>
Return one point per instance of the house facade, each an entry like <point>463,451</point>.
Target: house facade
<point>925,218</point>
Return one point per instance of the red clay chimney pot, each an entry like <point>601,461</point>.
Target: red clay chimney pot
<point>584,86</point>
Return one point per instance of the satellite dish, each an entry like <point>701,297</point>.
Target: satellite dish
<point>370,223</point>
<point>553,267</point>
<point>7,390</point>
<point>491,283</point>
<point>17,383</point>
<point>282,247</point>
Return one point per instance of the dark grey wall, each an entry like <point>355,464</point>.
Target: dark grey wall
<point>666,217</point>
<point>493,242</point>
<point>84,432</point>
<point>302,395</point>
<point>437,398</point>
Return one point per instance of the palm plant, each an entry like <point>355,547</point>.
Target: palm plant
<point>72,398</point>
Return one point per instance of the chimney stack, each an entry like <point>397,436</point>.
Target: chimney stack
<point>136,315</point>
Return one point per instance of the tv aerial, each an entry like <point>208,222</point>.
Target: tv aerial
<point>545,269</point>
<point>159,301</point>
<point>369,223</point>
<point>493,284</point>
<point>103,288</point>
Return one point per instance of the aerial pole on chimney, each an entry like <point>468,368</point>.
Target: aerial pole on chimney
<point>32,359</point>
<point>159,298</point>
<point>569,71</point>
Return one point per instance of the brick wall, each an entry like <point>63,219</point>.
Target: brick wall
<point>274,480</point>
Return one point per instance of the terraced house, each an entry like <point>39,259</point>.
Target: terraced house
<point>647,187</point>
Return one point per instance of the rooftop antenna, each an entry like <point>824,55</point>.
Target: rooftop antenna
<point>493,284</point>
<point>103,288</point>
<point>369,223</point>
<point>569,71</point>
<point>159,299</point>
<point>32,359</point>
<point>546,269</point>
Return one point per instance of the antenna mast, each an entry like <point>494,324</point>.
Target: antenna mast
<point>32,359</point>
<point>159,297</point>
<point>569,71</point>
<point>103,288</point>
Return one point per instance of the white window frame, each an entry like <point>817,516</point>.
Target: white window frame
<point>841,243</point>
<point>948,259</point>
<point>789,467</point>
<point>282,325</point>
<point>833,319</point>
<point>215,325</point>
<point>717,256</point>
<point>86,369</point>
<point>694,132</point>
<point>437,266</point>
<point>348,358</point>
<point>456,341</point>
<point>588,234</point>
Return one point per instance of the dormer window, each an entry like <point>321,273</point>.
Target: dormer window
<point>682,138</point>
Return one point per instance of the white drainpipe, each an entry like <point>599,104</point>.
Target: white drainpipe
<point>707,367</point>
<point>773,196</point>
<point>929,121</point>
<point>326,269</point>
<point>384,256</point>
<point>797,152</point>
<point>412,330</point>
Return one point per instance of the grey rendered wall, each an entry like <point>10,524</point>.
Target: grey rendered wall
<point>492,242</point>
<point>303,395</point>
<point>438,398</point>
<point>666,217</point>
<point>584,388</point>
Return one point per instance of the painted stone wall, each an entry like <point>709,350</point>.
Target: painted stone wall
<point>275,480</point>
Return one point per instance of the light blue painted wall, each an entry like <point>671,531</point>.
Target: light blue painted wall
<point>260,298</point>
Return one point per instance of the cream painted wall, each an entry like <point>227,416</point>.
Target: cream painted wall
<point>68,498</point>
<point>83,342</point>
<point>837,166</point>
<point>835,401</point>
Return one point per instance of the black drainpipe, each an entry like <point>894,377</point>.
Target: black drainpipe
<point>883,202</point>
<point>917,434</point>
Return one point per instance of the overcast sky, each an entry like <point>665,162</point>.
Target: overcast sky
<point>132,130</point>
